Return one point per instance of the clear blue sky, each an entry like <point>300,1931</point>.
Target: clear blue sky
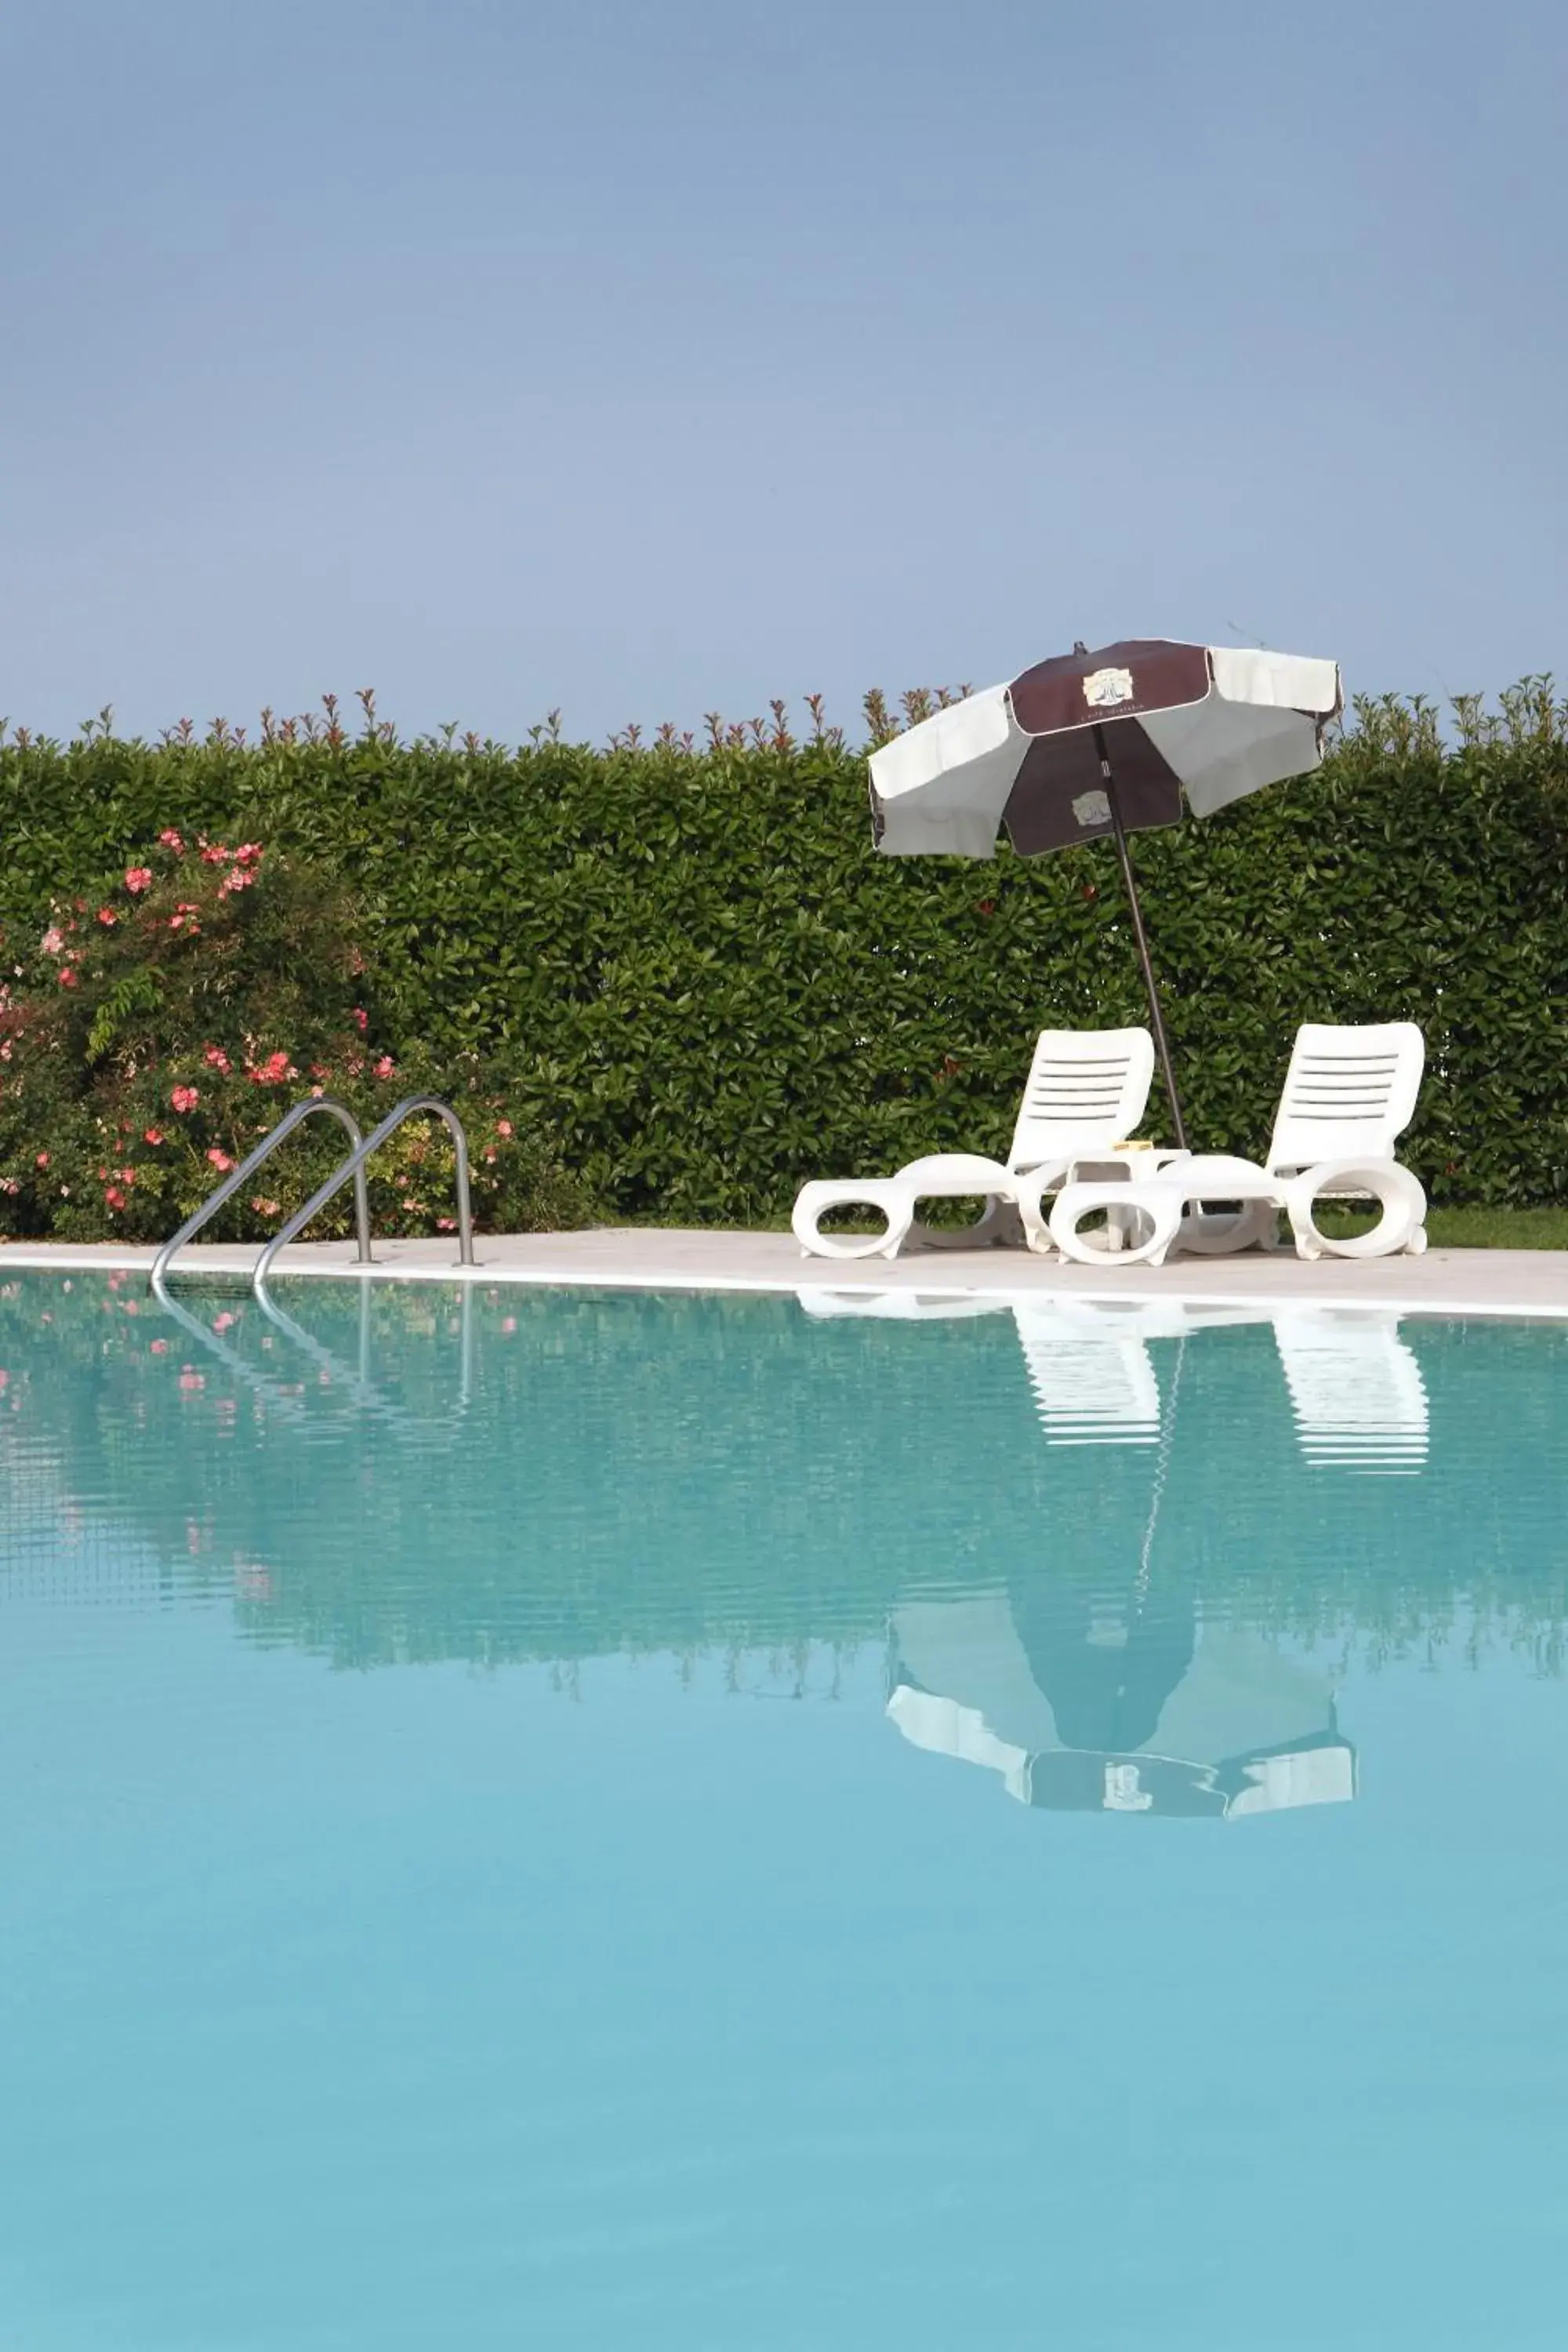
<point>643,359</point>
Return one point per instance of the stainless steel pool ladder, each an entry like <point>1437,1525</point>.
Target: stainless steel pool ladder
<point>353,1166</point>
<point>362,1147</point>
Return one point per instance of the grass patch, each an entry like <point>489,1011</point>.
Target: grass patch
<point>1518,1229</point>
<point>1538,1229</point>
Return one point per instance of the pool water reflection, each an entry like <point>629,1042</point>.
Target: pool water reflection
<point>502,1828</point>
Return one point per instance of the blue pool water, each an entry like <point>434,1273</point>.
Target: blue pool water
<point>590,1819</point>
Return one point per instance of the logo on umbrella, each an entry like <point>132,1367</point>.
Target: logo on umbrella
<point>1102,688</point>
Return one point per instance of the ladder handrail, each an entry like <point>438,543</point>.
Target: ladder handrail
<point>248,1167</point>
<point>354,1166</point>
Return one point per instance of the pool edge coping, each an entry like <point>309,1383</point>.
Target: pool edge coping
<point>44,1257</point>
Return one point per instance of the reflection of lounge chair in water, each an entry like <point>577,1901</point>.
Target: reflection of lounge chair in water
<point>1093,1376</point>
<point>896,1306</point>
<point>1080,1709</point>
<point>1356,1390</point>
<point>1088,1363</point>
<point>1359,1401</point>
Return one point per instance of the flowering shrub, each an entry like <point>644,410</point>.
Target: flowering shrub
<point>161,1024</point>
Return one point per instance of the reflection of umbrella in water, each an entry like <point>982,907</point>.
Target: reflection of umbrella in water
<point>1126,1705</point>
<point>1079,1708</point>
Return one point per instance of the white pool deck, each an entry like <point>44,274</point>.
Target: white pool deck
<point>1513,1283</point>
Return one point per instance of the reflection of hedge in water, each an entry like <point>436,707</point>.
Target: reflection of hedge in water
<point>690,1473</point>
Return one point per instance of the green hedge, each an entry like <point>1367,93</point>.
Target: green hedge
<point>710,987</point>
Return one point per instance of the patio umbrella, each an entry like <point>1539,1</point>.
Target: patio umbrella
<point>1102,743</point>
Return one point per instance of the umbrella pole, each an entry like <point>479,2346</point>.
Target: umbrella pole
<point>1162,1044</point>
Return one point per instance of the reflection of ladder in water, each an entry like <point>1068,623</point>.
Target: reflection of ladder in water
<point>285,1397</point>
<point>1094,1384</point>
<point>1356,1392</point>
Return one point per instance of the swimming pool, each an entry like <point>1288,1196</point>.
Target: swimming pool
<point>577,1818</point>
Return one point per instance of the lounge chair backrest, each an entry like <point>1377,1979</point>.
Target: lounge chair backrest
<point>1348,1091</point>
<point>1085,1090</point>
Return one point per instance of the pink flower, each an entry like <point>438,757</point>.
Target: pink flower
<point>265,1208</point>
<point>220,1158</point>
<point>185,1098</point>
<point>213,854</point>
<point>114,1196</point>
<point>503,1126</point>
<point>272,1072</point>
<point>108,918</point>
<point>509,1324</point>
<point>154,1136</point>
<point>137,878</point>
<point>386,1067</point>
<point>224,1322</point>
<point>160,1346</point>
<point>446,1225</point>
<point>191,1379</point>
<point>489,1154</point>
<point>53,940</point>
<point>248,853</point>
<point>42,1159</point>
<point>67,977</point>
<point>171,840</point>
<point>217,1059</point>
<point>361,1019</point>
<point>239,878</point>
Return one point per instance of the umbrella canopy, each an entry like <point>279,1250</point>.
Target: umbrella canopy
<point>1214,721</point>
<point>1099,742</point>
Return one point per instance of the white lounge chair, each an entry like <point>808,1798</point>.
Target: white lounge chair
<point>1350,1093</point>
<point>1085,1093</point>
